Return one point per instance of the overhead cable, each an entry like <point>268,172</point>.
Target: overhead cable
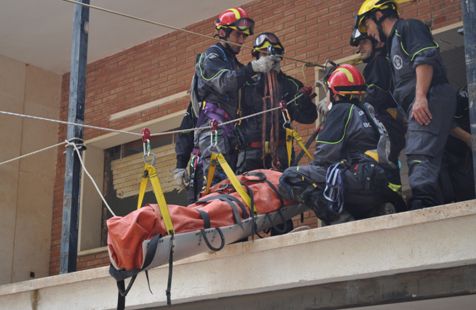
<point>155,134</point>
<point>307,63</point>
<point>31,153</point>
<point>69,123</point>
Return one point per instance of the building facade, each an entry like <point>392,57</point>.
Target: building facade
<point>146,86</point>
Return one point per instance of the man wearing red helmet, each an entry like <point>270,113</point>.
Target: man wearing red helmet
<point>219,78</point>
<point>347,179</point>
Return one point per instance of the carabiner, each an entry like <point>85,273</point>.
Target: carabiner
<point>285,114</point>
<point>214,134</point>
<point>149,157</point>
<point>146,141</point>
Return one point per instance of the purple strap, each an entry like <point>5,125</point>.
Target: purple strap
<point>213,112</point>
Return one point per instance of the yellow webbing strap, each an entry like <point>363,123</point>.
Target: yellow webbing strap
<point>142,187</point>
<point>372,154</point>
<point>211,172</point>
<point>229,173</point>
<point>289,144</point>
<point>151,174</point>
<point>233,179</point>
<point>292,134</point>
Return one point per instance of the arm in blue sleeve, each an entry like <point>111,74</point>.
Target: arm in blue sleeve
<point>215,72</point>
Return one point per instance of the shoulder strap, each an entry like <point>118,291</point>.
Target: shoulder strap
<point>384,143</point>
<point>369,117</point>
<point>217,48</point>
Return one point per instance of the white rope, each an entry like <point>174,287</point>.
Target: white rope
<point>80,160</point>
<point>227,122</point>
<point>152,135</point>
<point>31,153</point>
<point>89,175</point>
<point>69,123</point>
<point>139,134</point>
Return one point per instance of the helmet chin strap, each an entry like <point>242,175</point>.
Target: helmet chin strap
<point>374,49</point>
<point>332,97</point>
<point>379,22</point>
<point>224,34</point>
<point>230,48</point>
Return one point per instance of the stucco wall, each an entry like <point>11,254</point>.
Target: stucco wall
<point>26,187</point>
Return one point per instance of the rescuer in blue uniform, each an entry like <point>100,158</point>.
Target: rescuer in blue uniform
<point>378,77</point>
<point>420,87</point>
<point>218,82</point>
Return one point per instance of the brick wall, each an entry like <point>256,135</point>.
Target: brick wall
<point>311,30</point>
<point>127,172</point>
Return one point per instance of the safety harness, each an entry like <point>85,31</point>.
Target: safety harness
<point>292,135</point>
<point>217,156</point>
<point>271,136</point>
<point>150,174</point>
<point>243,191</point>
<point>194,165</point>
<point>334,190</point>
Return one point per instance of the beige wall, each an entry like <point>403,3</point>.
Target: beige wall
<point>26,187</point>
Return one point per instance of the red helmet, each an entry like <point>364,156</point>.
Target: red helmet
<point>346,80</point>
<point>236,19</point>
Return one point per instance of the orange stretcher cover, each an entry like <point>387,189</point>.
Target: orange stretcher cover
<point>222,207</point>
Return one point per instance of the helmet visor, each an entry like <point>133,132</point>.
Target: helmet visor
<point>245,25</point>
<point>270,37</point>
<point>269,42</point>
<point>356,37</point>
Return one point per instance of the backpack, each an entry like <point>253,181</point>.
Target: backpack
<point>195,99</point>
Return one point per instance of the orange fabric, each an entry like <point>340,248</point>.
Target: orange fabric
<point>126,234</point>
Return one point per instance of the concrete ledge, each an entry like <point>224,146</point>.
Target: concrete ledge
<point>433,289</point>
<point>435,238</point>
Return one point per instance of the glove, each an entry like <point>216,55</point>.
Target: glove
<point>181,178</point>
<point>264,64</point>
<point>306,90</point>
<point>322,110</point>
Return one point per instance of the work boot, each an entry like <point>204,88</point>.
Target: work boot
<point>343,217</point>
<point>383,209</point>
<point>416,204</point>
<point>282,229</point>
